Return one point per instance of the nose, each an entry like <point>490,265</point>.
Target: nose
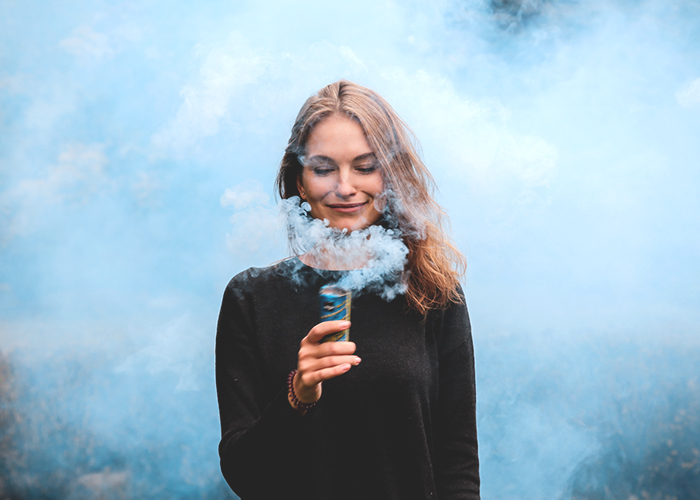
<point>345,187</point>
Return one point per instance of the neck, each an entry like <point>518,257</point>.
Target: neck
<point>332,259</point>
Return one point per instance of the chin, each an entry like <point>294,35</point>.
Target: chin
<point>359,225</point>
<point>346,226</point>
<point>354,224</point>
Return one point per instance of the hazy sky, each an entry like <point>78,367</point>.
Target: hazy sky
<point>138,146</point>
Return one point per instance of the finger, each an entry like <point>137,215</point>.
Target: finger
<point>333,348</point>
<point>311,365</point>
<point>311,379</point>
<point>313,350</point>
<point>326,328</point>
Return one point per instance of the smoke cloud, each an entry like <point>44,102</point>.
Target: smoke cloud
<point>380,253</point>
<point>138,148</point>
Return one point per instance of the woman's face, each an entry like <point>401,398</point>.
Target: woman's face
<point>340,178</point>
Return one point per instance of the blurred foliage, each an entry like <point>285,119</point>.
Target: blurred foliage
<point>514,14</point>
<point>640,402</point>
<point>651,442</point>
<point>45,453</point>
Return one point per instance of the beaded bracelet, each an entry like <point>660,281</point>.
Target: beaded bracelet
<point>293,396</point>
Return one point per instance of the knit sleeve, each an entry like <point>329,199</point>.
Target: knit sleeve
<point>260,433</point>
<point>456,451</point>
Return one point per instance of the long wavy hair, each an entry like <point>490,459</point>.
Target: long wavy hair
<point>435,265</point>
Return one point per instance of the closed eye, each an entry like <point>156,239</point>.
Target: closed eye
<point>322,170</point>
<point>367,168</point>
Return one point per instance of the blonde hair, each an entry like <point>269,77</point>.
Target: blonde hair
<point>435,265</point>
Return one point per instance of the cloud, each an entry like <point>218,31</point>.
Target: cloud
<point>471,140</point>
<point>176,349</point>
<point>245,195</point>
<point>246,89</point>
<point>44,113</point>
<point>88,43</point>
<point>227,70</point>
<point>78,173</point>
<point>15,84</point>
<point>144,188</point>
<point>689,95</point>
<point>350,55</point>
<point>258,228</point>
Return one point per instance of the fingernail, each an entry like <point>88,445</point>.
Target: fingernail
<point>358,361</point>
<point>346,367</point>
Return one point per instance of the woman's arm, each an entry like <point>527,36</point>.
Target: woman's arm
<point>264,446</point>
<point>261,435</point>
<point>456,450</point>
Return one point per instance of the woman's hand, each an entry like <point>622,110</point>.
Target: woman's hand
<point>322,361</point>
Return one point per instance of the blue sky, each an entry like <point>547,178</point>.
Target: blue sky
<point>562,136</point>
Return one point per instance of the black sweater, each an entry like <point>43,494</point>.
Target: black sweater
<point>400,425</point>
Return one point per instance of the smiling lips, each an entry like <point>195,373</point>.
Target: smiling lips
<point>347,207</point>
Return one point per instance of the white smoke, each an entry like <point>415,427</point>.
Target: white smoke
<point>375,256</point>
<point>380,251</point>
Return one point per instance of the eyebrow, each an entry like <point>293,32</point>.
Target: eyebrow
<point>365,156</point>
<point>361,157</point>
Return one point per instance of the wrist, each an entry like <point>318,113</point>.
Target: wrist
<point>304,394</point>
<point>301,405</point>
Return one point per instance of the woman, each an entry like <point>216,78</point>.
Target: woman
<point>390,415</point>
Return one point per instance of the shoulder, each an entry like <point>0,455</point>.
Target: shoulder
<point>451,325</point>
<point>457,306</point>
<point>256,279</point>
<point>252,289</point>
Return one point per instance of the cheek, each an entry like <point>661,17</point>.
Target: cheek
<point>376,185</point>
<point>378,194</point>
<point>318,188</point>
